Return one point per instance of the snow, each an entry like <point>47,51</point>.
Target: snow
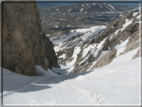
<point>112,7</point>
<point>81,9</point>
<point>69,10</point>
<point>56,26</point>
<point>47,35</point>
<point>116,84</point>
<point>80,78</point>
<point>84,60</point>
<point>86,3</point>
<point>123,44</point>
<point>101,55</point>
<point>92,48</point>
<point>135,13</point>
<point>41,71</point>
<point>87,49</point>
<point>59,40</point>
<point>99,46</point>
<point>95,52</point>
<point>63,56</point>
<point>62,41</point>
<point>93,29</point>
<point>139,22</point>
<point>119,51</point>
<point>61,71</point>
<point>74,56</point>
<point>138,17</point>
<point>116,32</point>
<point>100,5</point>
<point>69,66</point>
<point>111,36</point>
<point>109,8</point>
<point>128,22</point>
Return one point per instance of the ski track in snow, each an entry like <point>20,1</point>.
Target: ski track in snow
<point>31,100</point>
<point>77,92</point>
<point>84,94</point>
<point>93,95</point>
<point>22,88</point>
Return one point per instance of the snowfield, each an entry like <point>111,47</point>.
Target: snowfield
<point>65,41</point>
<point>75,39</point>
<point>118,83</point>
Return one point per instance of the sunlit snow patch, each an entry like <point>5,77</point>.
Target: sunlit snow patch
<point>123,44</point>
<point>135,13</point>
<point>41,71</point>
<point>80,78</point>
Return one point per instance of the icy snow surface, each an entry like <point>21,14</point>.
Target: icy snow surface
<point>115,84</point>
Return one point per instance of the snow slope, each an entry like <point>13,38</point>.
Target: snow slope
<point>76,37</point>
<point>118,83</point>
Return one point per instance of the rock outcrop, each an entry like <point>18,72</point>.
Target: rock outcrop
<point>106,59</point>
<point>125,29</point>
<point>24,45</point>
<point>99,50</point>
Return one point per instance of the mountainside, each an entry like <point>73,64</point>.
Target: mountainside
<point>61,19</point>
<point>84,49</point>
<point>24,45</point>
<point>92,7</point>
<point>99,64</point>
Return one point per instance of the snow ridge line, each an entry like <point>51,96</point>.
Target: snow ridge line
<point>3,95</point>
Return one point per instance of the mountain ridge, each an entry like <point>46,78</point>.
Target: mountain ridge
<point>87,50</point>
<point>61,19</point>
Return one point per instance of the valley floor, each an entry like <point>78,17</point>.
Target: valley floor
<point>118,83</point>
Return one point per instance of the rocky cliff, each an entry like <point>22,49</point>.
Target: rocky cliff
<point>87,49</point>
<point>121,35</point>
<point>24,44</point>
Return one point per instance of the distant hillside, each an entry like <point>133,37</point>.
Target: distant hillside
<point>64,18</point>
<point>128,4</point>
<point>40,4</point>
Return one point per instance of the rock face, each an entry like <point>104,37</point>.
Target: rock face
<point>123,30</point>
<point>24,45</point>
<point>102,46</point>
<point>106,59</point>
